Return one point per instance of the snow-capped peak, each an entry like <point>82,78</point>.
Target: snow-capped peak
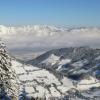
<point>44,29</point>
<point>52,59</point>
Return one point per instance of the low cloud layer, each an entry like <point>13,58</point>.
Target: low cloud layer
<point>41,38</point>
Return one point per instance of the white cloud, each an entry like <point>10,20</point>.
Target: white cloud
<point>39,38</point>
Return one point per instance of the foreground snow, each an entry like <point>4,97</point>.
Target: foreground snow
<point>37,82</point>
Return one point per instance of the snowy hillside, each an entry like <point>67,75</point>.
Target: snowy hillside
<point>76,63</point>
<point>38,82</point>
<point>51,60</point>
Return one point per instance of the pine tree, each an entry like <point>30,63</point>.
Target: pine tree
<point>23,94</point>
<point>8,78</point>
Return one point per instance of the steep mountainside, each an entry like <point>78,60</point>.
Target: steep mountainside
<point>76,63</point>
<point>41,83</point>
<point>37,82</point>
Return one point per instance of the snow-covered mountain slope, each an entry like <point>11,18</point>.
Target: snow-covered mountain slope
<point>38,82</point>
<point>51,60</point>
<point>74,62</point>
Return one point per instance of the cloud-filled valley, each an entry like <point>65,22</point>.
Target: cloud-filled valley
<point>42,37</point>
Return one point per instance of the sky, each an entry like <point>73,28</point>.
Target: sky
<point>52,12</point>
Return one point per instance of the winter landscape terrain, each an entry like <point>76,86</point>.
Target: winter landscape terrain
<point>49,49</point>
<point>69,73</point>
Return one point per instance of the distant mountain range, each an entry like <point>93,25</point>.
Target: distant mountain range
<point>44,29</point>
<point>31,29</point>
<point>72,62</point>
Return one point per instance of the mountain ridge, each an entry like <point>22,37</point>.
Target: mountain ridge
<point>42,28</point>
<point>71,62</point>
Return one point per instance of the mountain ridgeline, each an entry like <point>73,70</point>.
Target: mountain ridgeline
<point>75,62</point>
<point>74,53</point>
